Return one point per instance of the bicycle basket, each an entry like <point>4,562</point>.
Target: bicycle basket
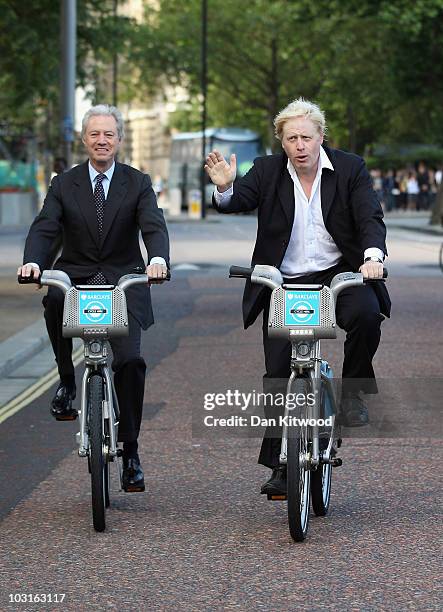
<point>91,311</point>
<point>306,309</point>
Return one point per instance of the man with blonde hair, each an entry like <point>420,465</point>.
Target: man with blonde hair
<point>317,216</point>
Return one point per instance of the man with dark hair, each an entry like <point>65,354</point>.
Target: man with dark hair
<point>98,209</point>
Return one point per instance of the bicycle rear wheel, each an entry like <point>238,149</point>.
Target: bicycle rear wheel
<point>321,478</point>
<point>298,474</point>
<point>98,463</point>
<point>321,481</point>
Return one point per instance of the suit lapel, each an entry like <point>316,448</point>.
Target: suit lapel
<point>285,192</point>
<point>116,195</point>
<point>83,195</point>
<point>328,187</point>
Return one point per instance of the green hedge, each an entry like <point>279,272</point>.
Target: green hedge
<point>431,156</point>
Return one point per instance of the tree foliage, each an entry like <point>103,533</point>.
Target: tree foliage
<point>374,65</point>
<point>30,51</point>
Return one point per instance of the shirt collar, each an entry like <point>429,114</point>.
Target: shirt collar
<point>93,172</point>
<point>325,162</point>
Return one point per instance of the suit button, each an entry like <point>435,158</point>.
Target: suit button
<point>285,243</point>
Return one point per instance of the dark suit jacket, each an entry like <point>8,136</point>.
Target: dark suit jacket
<point>351,212</point>
<point>69,211</point>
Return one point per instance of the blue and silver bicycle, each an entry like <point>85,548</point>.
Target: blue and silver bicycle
<point>304,314</point>
<point>95,313</point>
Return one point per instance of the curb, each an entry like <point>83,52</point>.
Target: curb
<point>22,346</point>
<point>433,230</point>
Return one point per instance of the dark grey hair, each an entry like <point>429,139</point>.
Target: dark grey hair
<point>105,109</point>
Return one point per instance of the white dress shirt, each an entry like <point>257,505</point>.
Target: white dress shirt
<point>106,181</point>
<point>311,248</point>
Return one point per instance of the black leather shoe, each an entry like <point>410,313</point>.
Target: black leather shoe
<point>353,412</point>
<point>277,484</point>
<point>323,445</point>
<point>133,479</point>
<point>61,405</point>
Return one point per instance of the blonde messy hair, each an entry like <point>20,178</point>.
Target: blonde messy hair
<point>300,108</point>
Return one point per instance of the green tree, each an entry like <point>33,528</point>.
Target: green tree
<point>367,63</point>
<point>30,60</point>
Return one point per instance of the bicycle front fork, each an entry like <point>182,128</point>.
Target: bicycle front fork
<point>110,409</point>
<point>314,457</point>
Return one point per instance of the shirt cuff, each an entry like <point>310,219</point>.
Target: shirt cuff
<point>158,260</point>
<point>225,197</point>
<point>374,252</point>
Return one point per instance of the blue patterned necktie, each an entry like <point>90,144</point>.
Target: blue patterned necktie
<point>99,200</point>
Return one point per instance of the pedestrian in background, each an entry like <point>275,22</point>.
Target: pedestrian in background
<point>424,186</point>
<point>412,190</point>
<point>388,183</point>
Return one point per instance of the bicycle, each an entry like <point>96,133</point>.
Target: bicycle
<point>95,313</point>
<point>304,314</point>
<point>440,257</point>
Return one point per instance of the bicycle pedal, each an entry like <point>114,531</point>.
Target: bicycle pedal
<point>134,489</point>
<point>336,462</point>
<point>71,417</point>
<point>277,497</point>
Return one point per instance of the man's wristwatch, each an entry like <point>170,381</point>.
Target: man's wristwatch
<point>373,258</point>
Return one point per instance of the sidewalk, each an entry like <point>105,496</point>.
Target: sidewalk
<point>413,221</point>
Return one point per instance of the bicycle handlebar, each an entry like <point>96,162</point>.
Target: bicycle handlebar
<point>239,272</point>
<point>272,278</point>
<point>58,278</point>
<point>28,280</point>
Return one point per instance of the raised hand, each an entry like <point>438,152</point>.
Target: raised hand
<point>219,171</point>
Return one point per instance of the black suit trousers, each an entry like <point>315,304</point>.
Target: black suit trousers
<point>358,313</point>
<point>128,365</point>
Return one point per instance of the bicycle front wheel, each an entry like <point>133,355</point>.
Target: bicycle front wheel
<point>98,463</point>
<point>298,474</point>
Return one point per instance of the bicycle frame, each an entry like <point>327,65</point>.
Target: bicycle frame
<point>317,377</point>
<point>304,314</point>
<point>95,350</point>
<point>305,340</point>
<point>98,362</point>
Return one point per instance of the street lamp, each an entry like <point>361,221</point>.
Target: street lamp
<point>68,28</point>
<point>204,86</point>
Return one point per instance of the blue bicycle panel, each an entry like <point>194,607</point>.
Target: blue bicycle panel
<point>95,308</point>
<point>302,308</point>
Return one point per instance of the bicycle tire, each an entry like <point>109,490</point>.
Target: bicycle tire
<point>321,481</point>
<point>107,469</point>
<point>321,478</point>
<point>299,491</point>
<point>97,460</point>
<point>440,257</point>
